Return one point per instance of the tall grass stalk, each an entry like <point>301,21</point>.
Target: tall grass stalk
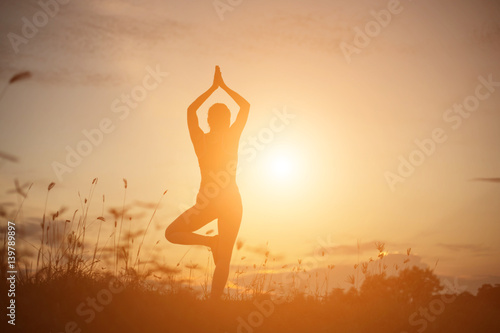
<point>40,250</point>
<point>117,249</point>
<point>145,231</point>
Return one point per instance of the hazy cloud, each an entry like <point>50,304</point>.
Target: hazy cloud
<point>86,42</point>
<point>93,42</point>
<point>490,180</point>
<point>477,249</point>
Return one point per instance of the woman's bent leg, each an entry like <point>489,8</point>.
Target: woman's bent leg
<point>181,230</point>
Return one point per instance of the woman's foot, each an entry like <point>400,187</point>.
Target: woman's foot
<point>214,247</point>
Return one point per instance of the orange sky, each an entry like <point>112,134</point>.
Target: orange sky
<point>351,118</point>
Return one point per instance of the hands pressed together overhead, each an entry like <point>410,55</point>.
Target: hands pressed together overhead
<point>218,81</point>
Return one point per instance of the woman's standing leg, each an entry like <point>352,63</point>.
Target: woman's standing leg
<point>228,224</point>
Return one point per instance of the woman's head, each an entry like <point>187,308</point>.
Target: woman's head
<point>219,117</point>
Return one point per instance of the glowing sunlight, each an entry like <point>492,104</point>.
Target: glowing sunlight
<point>281,164</point>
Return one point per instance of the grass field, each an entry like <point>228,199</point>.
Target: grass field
<point>111,284</point>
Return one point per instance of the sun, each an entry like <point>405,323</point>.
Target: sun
<point>281,164</point>
<point>280,172</point>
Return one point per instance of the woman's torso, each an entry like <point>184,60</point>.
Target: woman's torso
<point>218,159</point>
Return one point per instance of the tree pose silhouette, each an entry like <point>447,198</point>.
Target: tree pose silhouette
<point>218,197</point>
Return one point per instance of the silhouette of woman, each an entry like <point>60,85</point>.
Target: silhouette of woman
<point>218,196</point>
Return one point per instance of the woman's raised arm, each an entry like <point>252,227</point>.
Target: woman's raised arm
<point>241,118</point>
<point>192,117</point>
